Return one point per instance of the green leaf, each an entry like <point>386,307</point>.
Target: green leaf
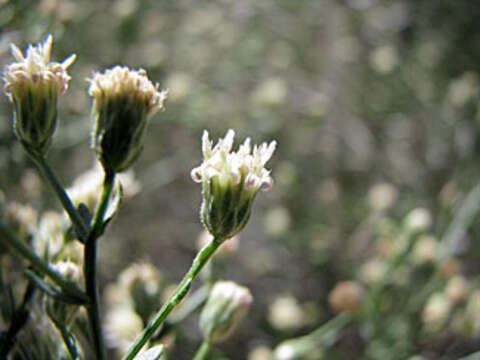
<point>114,205</point>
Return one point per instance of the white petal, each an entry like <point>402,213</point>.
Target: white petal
<point>69,61</point>
<point>17,53</point>
<point>245,148</point>
<point>206,145</point>
<point>227,142</point>
<point>47,48</point>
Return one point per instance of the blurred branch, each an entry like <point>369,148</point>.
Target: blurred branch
<point>10,239</point>
<point>20,318</point>
<point>451,241</point>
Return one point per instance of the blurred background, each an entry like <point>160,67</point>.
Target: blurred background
<point>374,104</point>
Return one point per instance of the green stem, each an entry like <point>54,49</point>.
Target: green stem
<point>324,336</point>
<point>191,304</point>
<point>79,224</point>
<point>18,245</point>
<point>90,271</point>
<point>200,260</point>
<point>203,351</point>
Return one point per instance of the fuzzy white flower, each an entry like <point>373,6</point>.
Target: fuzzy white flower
<point>123,99</point>
<point>230,182</point>
<point>35,68</point>
<point>33,84</point>
<point>122,81</point>
<point>235,166</point>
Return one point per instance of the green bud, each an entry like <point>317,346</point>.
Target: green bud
<point>33,85</point>
<point>123,101</point>
<point>225,308</point>
<point>230,183</point>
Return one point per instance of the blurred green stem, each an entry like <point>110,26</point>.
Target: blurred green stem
<point>38,264</point>
<point>198,263</point>
<point>323,336</point>
<point>18,321</point>
<point>90,265</point>
<point>79,224</point>
<point>192,303</point>
<point>462,220</point>
<point>203,351</point>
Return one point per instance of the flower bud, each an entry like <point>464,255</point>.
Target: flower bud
<point>122,326</point>
<point>143,284</point>
<point>418,220</point>
<point>436,311</point>
<point>230,182</point>
<point>286,314</point>
<point>123,99</point>
<point>33,85</point>
<point>346,296</point>
<point>225,308</point>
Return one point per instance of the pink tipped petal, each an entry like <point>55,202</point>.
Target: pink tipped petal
<point>196,175</point>
<point>268,184</point>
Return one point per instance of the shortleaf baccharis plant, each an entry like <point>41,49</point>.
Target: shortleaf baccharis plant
<point>123,101</point>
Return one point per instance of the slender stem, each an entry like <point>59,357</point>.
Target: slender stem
<point>79,224</point>
<point>192,303</point>
<point>9,238</point>
<point>19,320</point>
<point>90,271</point>
<point>200,260</point>
<point>203,351</point>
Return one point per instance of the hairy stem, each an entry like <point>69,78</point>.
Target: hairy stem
<point>90,271</point>
<point>198,263</point>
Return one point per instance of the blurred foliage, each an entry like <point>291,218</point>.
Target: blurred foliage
<point>360,94</point>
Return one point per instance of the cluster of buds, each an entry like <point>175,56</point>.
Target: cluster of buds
<point>230,182</point>
<point>123,101</point>
<point>33,85</point>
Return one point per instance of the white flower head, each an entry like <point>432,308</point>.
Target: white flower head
<point>230,182</point>
<point>33,84</point>
<point>235,166</point>
<point>123,99</point>
<point>35,68</point>
<point>120,81</point>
